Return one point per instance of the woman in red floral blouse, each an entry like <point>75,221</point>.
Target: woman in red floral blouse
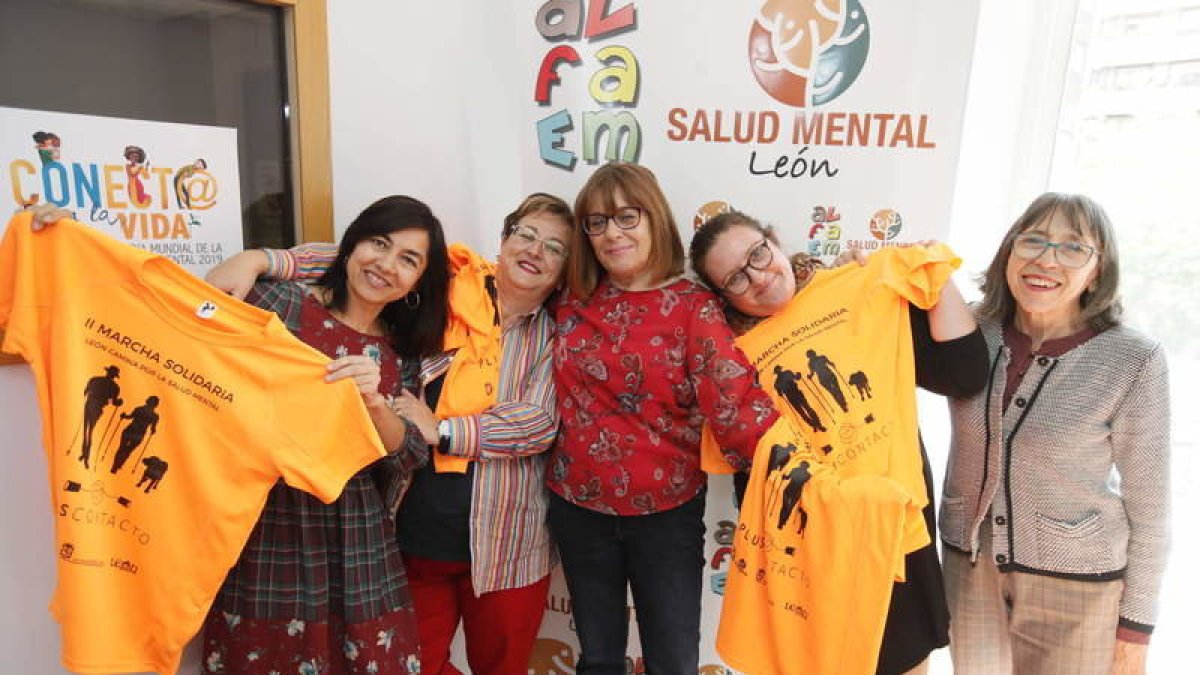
<point>643,358</point>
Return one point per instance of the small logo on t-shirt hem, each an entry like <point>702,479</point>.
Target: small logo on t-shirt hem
<point>206,310</point>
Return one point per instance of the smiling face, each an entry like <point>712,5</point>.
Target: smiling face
<point>383,268</point>
<point>533,256</point>
<point>770,288</point>
<point>625,254</point>
<point>1047,292</point>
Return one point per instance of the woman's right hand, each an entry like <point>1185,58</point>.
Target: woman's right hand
<point>851,255</point>
<point>46,214</point>
<point>236,275</point>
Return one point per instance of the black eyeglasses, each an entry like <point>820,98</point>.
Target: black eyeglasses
<point>1068,253</point>
<point>759,257</point>
<point>626,218</point>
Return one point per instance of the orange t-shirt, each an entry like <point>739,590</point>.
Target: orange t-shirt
<point>813,561</point>
<point>838,361</point>
<point>169,410</point>
<point>473,334</point>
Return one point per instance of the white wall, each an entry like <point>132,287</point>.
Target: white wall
<point>406,79</point>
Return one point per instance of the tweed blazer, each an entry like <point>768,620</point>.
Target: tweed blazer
<point>1075,474</point>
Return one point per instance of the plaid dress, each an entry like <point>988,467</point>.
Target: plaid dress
<point>320,588</point>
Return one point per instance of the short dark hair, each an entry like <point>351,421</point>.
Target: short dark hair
<point>414,332</point>
<point>1100,304</point>
<point>640,188</point>
<point>538,202</point>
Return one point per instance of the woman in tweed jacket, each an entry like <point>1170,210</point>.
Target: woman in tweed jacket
<point>1055,508</point>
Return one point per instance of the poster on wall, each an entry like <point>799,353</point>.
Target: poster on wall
<point>837,122</point>
<point>171,189</point>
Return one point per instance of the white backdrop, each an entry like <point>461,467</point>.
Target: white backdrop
<point>719,100</point>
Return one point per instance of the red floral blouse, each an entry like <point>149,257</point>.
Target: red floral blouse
<point>638,373</point>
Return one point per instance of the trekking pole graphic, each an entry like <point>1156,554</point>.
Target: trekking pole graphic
<point>819,394</point>
<point>76,435</point>
<point>837,371</point>
<point>104,438</point>
<point>133,469</point>
<point>105,446</point>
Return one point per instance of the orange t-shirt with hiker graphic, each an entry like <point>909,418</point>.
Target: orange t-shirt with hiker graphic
<point>169,410</point>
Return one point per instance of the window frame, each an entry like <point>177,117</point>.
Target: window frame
<point>307,57</point>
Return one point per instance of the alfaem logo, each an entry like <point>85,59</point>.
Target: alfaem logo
<point>885,224</point>
<point>808,52</point>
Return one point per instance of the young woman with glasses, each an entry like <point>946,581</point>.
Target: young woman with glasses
<point>742,260</point>
<point>643,358</point>
<point>1055,507</point>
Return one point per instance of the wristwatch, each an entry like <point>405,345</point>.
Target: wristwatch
<point>443,429</point>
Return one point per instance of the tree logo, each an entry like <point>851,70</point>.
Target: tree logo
<point>885,224</point>
<point>808,52</point>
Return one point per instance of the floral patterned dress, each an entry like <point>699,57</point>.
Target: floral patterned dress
<point>320,589</point>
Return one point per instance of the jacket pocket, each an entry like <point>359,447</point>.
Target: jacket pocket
<point>1073,545</point>
<point>952,522</point>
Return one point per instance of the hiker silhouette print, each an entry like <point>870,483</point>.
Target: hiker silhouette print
<point>786,485</point>
<point>114,437</point>
<point>142,418</point>
<point>828,376</point>
<point>789,384</point>
<point>99,392</point>
<point>792,490</point>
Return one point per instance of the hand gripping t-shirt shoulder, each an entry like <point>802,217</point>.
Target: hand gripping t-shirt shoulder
<point>169,410</point>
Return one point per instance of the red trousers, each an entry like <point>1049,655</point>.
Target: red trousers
<point>500,627</point>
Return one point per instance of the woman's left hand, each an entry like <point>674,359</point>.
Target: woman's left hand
<point>1129,659</point>
<point>365,373</point>
<point>415,411</point>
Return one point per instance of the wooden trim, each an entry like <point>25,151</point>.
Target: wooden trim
<point>308,83</point>
<point>313,176</point>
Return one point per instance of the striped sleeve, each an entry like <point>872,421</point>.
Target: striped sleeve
<point>300,263</point>
<point>524,425</point>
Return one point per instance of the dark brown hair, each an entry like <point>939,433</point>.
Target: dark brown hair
<point>414,331</point>
<point>705,238</point>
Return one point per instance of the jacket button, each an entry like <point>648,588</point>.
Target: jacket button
<point>1043,361</point>
<point>1001,559</point>
<point>1020,402</point>
<point>1000,520</point>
